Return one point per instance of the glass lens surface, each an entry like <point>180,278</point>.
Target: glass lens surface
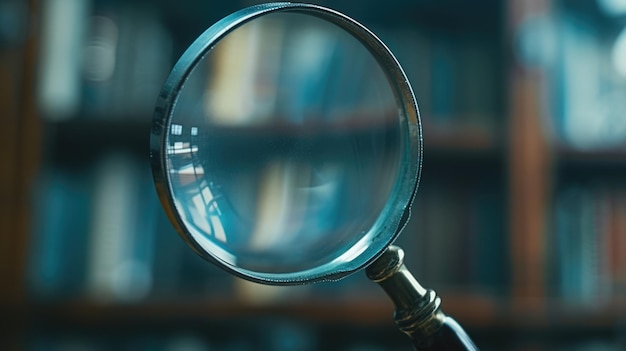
<point>284,146</point>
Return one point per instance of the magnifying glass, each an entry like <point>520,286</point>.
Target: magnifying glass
<point>286,148</point>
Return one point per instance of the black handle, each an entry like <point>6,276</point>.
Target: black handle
<point>450,337</point>
<point>418,311</point>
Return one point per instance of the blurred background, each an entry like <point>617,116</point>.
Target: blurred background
<point>519,222</point>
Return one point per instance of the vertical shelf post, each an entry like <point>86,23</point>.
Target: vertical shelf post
<point>19,150</point>
<point>529,182</point>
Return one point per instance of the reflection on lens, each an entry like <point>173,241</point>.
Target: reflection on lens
<point>283,147</point>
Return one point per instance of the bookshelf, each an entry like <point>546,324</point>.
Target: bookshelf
<point>501,181</point>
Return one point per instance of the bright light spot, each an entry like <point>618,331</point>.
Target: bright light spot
<point>613,7</point>
<point>619,53</point>
<point>194,131</point>
<point>219,233</point>
<point>536,41</point>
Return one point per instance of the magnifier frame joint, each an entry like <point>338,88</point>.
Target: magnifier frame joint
<point>422,321</point>
<point>418,311</point>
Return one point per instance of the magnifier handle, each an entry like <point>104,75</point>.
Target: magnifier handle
<point>418,311</point>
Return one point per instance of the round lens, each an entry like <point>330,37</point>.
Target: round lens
<point>286,150</point>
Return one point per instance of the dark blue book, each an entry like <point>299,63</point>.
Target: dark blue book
<point>58,241</point>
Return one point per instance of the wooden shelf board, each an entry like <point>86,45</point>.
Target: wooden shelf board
<point>473,312</point>
<point>458,138</point>
<point>476,312</point>
<point>134,132</point>
<point>612,155</point>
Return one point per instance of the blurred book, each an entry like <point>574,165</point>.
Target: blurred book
<point>455,76</point>
<point>587,244</point>
<point>143,59</point>
<point>120,246</point>
<point>63,25</point>
<point>456,239</point>
<point>101,59</point>
<point>58,242</point>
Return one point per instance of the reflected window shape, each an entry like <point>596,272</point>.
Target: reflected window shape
<point>206,214</point>
<point>176,129</point>
<point>180,147</point>
<point>188,174</point>
<point>189,169</point>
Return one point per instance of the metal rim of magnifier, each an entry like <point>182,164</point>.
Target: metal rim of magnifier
<point>396,210</point>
